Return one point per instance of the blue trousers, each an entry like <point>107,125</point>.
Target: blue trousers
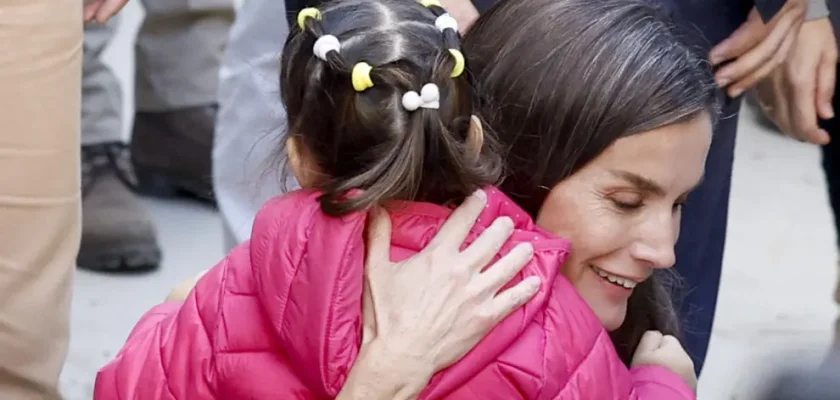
<point>701,243</point>
<point>831,163</point>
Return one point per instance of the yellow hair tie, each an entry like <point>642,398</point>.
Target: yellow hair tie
<point>310,12</point>
<point>430,3</point>
<point>361,77</point>
<point>459,63</point>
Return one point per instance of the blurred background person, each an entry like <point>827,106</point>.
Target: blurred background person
<point>40,77</point>
<point>178,51</point>
<point>800,98</point>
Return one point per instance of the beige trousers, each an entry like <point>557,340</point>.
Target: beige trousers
<point>40,87</point>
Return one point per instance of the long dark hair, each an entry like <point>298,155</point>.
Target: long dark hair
<point>561,80</point>
<point>368,140</point>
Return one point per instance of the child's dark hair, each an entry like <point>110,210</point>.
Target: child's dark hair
<point>354,125</point>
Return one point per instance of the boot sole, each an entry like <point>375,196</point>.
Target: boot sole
<point>123,259</point>
<point>162,185</point>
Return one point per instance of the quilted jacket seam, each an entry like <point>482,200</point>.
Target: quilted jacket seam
<point>213,340</point>
<point>577,368</point>
<point>331,315</point>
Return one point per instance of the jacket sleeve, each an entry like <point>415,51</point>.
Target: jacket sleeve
<point>769,8</point>
<point>817,9</point>
<point>169,353</point>
<point>602,375</point>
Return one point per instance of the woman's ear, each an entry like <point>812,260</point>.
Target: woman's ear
<point>475,138</point>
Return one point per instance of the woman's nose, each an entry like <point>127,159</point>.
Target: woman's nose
<point>655,244</point>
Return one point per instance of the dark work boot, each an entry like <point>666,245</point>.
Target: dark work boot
<point>118,233</point>
<point>171,152</point>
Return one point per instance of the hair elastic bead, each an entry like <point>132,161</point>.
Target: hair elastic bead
<point>324,45</point>
<point>429,97</point>
<point>361,77</point>
<point>459,63</point>
<point>309,12</point>
<point>431,3</point>
<point>446,21</point>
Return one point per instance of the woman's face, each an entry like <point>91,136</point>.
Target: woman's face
<point>622,212</point>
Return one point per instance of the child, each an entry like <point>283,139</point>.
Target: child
<point>379,109</point>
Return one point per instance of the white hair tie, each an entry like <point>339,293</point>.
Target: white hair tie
<point>446,21</point>
<point>429,97</point>
<point>324,45</point>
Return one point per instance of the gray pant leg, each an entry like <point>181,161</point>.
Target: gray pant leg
<point>251,122</point>
<point>101,92</point>
<point>179,49</point>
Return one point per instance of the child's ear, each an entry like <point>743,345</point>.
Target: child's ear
<point>296,161</point>
<point>475,137</point>
<point>303,166</point>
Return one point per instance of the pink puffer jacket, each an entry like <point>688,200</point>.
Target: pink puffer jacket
<point>280,318</point>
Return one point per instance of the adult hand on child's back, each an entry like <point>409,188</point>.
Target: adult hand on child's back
<point>756,48</point>
<point>434,307</point>
<point>665,351</point>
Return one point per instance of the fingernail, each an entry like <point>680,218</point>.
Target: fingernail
<point>504,222</point>
<point>528,248</point>
<point>735,93</point>
<point>533,281</point>
<point>723,81</point>
<point>479,194</point>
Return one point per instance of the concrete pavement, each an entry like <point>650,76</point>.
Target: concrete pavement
<point>775,303</point>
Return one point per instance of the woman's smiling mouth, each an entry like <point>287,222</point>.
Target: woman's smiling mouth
<point>615,279</point>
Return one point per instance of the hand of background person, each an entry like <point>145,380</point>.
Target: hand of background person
<point>800,91</point>
<point>434,307</point>
<point>180,292</point>
<point>464,12</point>
<point>102,10</point>
<point>665,351</point>
<point>755,49</point>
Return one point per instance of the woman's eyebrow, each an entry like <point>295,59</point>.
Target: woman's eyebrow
<point>647,184</point>
<point>641,182</point>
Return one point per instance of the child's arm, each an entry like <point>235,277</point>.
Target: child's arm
<point>169,353</point>
<point>602,374</point>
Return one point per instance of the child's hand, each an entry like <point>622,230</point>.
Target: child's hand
<point>180,292</point>
<point>666,351</point>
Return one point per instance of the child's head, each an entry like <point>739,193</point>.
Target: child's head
<point>378,99</point>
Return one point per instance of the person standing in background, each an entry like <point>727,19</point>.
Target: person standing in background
<point>801,99</point>
<point>178,51</point>
<point>745,40</point>
<point>40,77</point>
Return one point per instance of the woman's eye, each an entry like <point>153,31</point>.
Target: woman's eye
<point>627,205</point>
